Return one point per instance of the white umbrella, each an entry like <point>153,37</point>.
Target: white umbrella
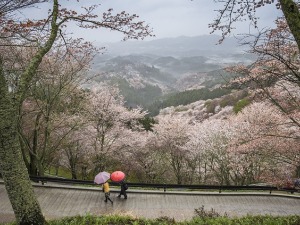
<point>102,177</point>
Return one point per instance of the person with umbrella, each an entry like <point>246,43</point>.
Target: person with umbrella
<point>106,191</point>
<point>102,178</point>
<point>119,177</point>
<point>124,187</point>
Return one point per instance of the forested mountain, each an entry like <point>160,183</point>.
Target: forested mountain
<point>145,84</point>
<point>148,72</point>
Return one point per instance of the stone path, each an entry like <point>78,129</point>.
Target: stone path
<point>60,201</point>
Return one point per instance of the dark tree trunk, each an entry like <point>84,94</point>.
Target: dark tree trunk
<point>292,16</point>
<point>15,175</point>
<point>12,167</point>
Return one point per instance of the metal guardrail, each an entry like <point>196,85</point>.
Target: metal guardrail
<point>220,188</point>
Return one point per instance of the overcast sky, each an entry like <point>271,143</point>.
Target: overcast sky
<point>168,18</point>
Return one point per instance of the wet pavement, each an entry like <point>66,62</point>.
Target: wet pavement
<point>59,201</point>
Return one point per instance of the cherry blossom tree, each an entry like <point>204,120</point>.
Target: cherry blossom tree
<point>263,136</point>
<point>275,74</point>
<point>245,148</point>
<point>42,35</point>
<point>7,6</point>
<point>198,159</point>
<point>277,50</point>
<point>110,124</point>
<point>215,138</point>
<point>171,137</point>
<point>74,153</point>
<point>252,146</point>
<point>54,91</point>
<point>241,10</point>
<point>143,158</point>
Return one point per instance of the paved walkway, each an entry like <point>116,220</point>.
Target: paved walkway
<point>60,201</point>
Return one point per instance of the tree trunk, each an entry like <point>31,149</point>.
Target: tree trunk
<point>292,16</point>
<point>23,151</point>
<point>33,165</point>
<point>73,163</point>
<point>12,166</point>
<point>74,174</point>
<point>20,191</point>
<point>41,170</point>
<point>33,152</point>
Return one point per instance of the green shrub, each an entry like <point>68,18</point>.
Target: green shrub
<point>233,98</point>
<point>202,213</point>
<point>204,218</point>
<point>181,109</point>
<point>240,105</point>
<point>211,105</point>
<point>227,100</point>
<point>247,220</point>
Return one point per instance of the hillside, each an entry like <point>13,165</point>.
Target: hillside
<point>148,72</point>
<point>218,107</point>
<point>185,98</point>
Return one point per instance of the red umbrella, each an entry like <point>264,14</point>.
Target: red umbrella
<point>117,176</point>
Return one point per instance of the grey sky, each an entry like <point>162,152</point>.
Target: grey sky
<point>168,18</point>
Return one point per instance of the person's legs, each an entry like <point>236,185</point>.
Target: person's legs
<point>121,193</point>
<point>119,196</point>
<point>108,198</point>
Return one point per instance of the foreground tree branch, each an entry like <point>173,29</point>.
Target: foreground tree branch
<point>241,10</point>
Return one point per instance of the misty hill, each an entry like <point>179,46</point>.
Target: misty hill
<point>176,56</point>
<point>178,47</point>
<point>198,80</point>
<point>138,82</point>
<point>146,71</point>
